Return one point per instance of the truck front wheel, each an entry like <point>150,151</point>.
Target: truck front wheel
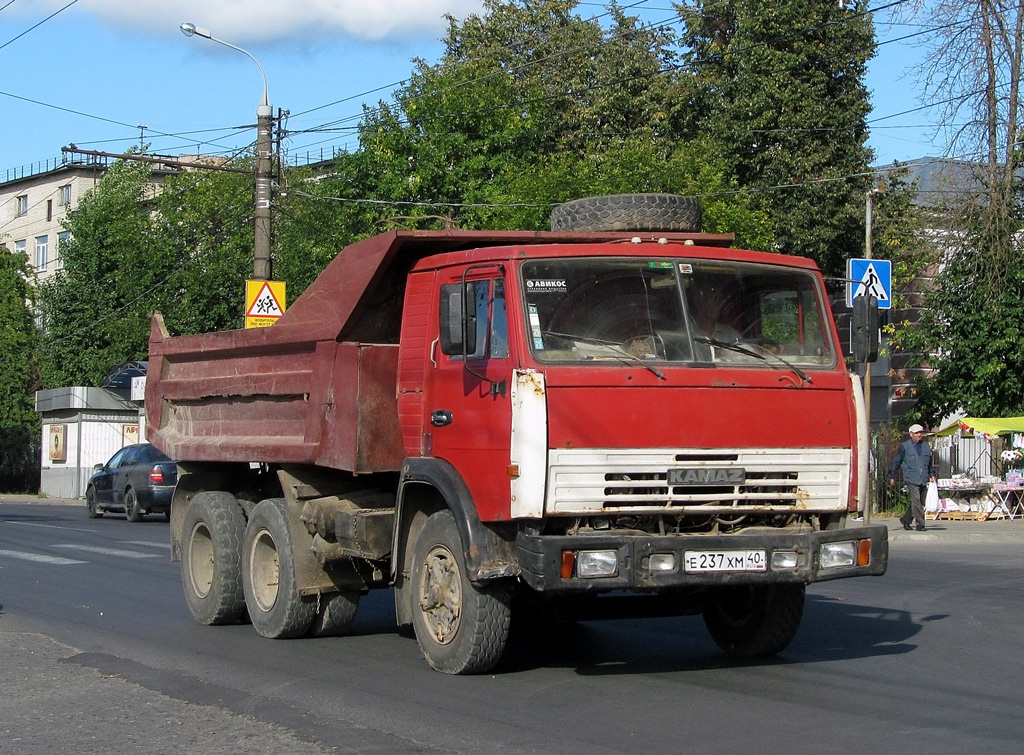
<point>277,608</point>
<point>211,558</point>
<point>461,627</point>
<point>754,620</point>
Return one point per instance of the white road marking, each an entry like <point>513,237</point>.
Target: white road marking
<point>147,544</point>
<point>40,558</point>
<point>48,526</point>
<point>105,551</point>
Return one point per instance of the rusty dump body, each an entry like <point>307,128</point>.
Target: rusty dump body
<point>319,387</point>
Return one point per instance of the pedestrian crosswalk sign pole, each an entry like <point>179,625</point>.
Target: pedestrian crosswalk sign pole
<point>869,276</point>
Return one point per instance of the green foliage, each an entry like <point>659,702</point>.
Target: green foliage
<point>204,220</point>
<point>532,105</point>
<point>91,307</point>
<point>782,92</point>
<point>19,377</point>
<point>973,325</point>
<point>186,252</point>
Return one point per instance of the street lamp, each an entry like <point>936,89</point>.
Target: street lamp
<point>264,140</point>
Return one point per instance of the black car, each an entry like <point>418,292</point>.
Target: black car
<point>137,480</point>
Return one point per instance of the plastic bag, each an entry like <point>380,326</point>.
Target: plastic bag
<point>931,500</point>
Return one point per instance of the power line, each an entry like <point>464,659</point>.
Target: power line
<point>36,26</point>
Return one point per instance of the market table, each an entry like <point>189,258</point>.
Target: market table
<point>1009,499</point>
<point>968,493</point>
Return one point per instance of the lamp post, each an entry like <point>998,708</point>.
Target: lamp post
<point>264,141</point>
<point>868,220</point>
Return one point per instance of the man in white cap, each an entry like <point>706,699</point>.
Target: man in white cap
<point>915,458</point>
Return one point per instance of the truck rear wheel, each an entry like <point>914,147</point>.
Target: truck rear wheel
<point>211,558</point>
<point>754,620</point>
<point>628,212</point>
<point>461,627</point>
<point>338,611</point>
<point>276,607</point>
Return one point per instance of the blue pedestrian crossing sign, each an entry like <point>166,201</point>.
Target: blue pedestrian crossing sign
<point>872,277</point>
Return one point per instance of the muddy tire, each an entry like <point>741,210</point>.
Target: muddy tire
<point>461,627</point>
<point>211,558</point>
<point>754,620</point>
<point>132,511</point>
<point>276,607</point>
<point>337,612</point>
<point>629,212</point>
<point>91,506</point>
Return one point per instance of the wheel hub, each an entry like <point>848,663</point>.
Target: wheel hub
<point>441,595</point>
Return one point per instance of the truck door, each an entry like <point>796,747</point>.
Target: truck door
<point>467,404</point>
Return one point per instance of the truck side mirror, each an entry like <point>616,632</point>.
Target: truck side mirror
<point>864,337</point>
<point>458,320</point>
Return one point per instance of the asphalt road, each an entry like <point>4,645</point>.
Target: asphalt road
<point>99,655</point>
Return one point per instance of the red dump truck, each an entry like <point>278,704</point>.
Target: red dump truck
<point>622,416</point>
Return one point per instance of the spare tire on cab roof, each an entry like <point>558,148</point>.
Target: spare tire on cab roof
<point>628,212</point>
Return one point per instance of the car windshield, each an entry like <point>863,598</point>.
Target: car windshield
<point>685,310</point>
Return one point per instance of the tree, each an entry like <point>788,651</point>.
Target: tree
<point>19,374</point>
<point>531,105</point>
<point>203,220</point>
<point>90,308</point>
<point>184,249</point>
<point>971,332</point>
<point>781,91</point>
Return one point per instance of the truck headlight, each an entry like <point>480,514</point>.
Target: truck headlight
<point>838,554</point>
<point>591,564</point>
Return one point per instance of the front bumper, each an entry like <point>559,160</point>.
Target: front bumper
<point>541,559</point>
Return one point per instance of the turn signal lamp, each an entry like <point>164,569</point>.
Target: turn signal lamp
<point>863,552</point>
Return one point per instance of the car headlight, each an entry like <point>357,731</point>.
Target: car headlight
<point>590,564</point>
<point>833,555</point>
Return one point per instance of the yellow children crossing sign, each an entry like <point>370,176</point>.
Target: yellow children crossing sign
<point>264,303</point>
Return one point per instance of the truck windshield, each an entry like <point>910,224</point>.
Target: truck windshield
<point>685,310</point>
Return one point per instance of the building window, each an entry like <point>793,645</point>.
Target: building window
<point>49,210</point>
<point>65,195</point>
<point>63,239</point>
<point>42,247</point>
<point>21,247</point>
<point>21,205</point>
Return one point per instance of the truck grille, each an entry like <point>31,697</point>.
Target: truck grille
<point>592,481</point>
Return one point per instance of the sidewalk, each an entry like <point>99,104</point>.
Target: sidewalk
<point>960,531</point>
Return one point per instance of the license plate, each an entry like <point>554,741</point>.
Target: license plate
<point>719,561</point>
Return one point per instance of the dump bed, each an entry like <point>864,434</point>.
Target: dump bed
<point>319,386</point>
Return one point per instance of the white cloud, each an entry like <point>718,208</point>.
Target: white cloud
<point>282,19</point>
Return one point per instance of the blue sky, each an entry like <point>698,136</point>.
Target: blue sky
<point>93,72</point>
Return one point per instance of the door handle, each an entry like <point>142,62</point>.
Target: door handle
<point>440,417</point>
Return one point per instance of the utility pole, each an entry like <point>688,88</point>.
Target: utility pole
<point>264,151</point>
<point>868,220</point>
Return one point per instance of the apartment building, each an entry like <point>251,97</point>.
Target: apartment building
<point>35,200</point>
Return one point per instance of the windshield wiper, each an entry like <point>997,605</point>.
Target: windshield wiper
<point>616,349</point>
<point>758,355</point>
